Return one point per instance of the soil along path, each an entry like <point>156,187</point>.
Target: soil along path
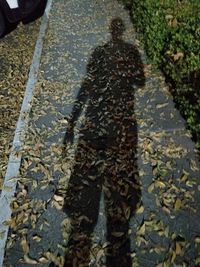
<point>109,175</point>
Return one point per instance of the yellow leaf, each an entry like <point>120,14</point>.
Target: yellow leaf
<point>141,230</point>
<point>174,23</point>
<point>151,188</point>
<point>184,177</point>
<point>197,240</point>
<point>178,248</point>
<point>178,56</point>
<point>140,210</point>
<point>158,202</point>
<point>160,184</point>
<point>158,250</point>
<point>178,204</point>
<point>166,231</point>
<point>65,167</point>
<point>197,261</point>
<point>173,256</point>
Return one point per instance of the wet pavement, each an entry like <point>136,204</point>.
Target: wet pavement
<point>109,175</point>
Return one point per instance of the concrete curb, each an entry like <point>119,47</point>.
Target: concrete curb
<point>10,182</point>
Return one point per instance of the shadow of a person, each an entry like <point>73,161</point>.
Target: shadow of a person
<point>105,159</point>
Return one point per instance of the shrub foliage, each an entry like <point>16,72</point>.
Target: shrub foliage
<point>171,34</point>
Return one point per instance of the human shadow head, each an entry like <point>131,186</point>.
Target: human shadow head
<point>117,28</point>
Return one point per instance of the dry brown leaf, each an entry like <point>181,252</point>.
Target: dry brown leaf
<point>28,260</point>
<point>57,205</point>
<point>58,198</point>
<point>162,105</point>
<point>99,255</point>
<point>106,244</point>
<point>166,210</point>
<point>117,234</point>
<point>37,238</point>
<point>128,213</point>
<point>173,256</point>
<point>43,260</point>
<point>25,246</point>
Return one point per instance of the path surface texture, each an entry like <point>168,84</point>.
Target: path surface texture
<point>109,175</point>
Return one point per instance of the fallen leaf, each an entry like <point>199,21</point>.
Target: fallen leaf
<point>197,240</point>
<point>25,246</point>
<point>28,260</point>
<point>178,204</point>
<point>117,234</point>
<point>178,248</point>
<point>142,229</point>
<point>140,210</point>
<point>150,188</point>
<point>160,184</point>
<point>58,198</point>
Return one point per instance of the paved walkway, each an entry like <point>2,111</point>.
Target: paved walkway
<point>109,176</point>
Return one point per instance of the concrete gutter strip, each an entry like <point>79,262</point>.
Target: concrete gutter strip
<point>10,182</point>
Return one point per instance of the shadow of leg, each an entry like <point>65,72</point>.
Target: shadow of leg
<point>84,217</point>
<point>118,252</point>
<point>122,194</point>
<point>82,205</point>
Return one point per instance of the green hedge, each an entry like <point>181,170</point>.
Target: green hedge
<point>171,34</point>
